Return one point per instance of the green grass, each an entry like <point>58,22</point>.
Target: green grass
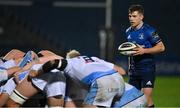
<point>167,91</point>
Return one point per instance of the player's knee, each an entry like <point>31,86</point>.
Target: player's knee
<point>148,92</point>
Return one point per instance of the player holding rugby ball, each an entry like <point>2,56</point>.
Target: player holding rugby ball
<point>142,63</point>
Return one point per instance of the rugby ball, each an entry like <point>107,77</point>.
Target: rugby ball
<point>126,48</point>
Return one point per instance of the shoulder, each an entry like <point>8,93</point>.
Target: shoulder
<point>95,58</point>
<point>128,29</point>
<point>149,29</point>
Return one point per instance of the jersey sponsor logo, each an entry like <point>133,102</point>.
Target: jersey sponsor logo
<point>149,83</point>
<point>155,34</point>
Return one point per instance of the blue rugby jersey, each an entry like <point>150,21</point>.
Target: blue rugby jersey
<point>147,37</point>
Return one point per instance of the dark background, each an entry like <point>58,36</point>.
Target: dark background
<point>43,26</point>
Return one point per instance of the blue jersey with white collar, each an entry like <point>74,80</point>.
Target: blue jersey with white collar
<point>147,37</point>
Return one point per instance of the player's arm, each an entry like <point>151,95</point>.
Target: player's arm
<point>13,70</point>
<point>14,54</point>
<point>119,69</point>
<point>158,48</point>
<point>5,74</point>
<point>59,64</point>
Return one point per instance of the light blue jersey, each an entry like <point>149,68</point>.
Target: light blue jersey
<point>87,69</point>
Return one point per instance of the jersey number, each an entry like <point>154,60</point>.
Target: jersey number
<point>88,59</point>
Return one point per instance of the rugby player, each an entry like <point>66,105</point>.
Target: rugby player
<point>100,77</point>
<point>53,86</point>
<point>142,63</point>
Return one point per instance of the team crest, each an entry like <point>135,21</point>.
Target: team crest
<point>141,36</point>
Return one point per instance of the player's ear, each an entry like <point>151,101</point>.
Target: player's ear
<point>142,16</point>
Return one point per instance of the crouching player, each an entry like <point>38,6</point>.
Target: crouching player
<point>53,84</point>
<point>81,95</point>
<point>102,80</point>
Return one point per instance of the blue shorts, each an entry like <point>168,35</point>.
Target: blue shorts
<point>145,79</point>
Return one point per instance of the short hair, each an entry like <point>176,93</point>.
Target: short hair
<point>136,7</point>
<point>14,54</point>
<point>44,53</point>
<point>72,54</point>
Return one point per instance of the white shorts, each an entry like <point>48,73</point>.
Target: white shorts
<point>137,103</point>
<point>74,91</point>
<point>52,83</point>
<point>9,86</point>
<point>104,89</point>
<point>132,98</point>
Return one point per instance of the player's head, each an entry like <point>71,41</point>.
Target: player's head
<point>43,53</point>
<point>72,54</point>
<point>14,54</point>
<point>137,8</point>
<point>136,15</point>
<point>46,55</point>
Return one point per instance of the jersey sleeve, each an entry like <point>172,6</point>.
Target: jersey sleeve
<point>3,75</point>
<point>36,67</point>
<point>153,37</point>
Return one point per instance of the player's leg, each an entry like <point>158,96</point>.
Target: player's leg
<point>56,101</point>
<point>148,92</point>
<point>55,90</point>
<point>4,98</point>
<point>73,103</point>
<point>75,94</point>
<point>135,81</point>
<point>7,90</point>
<point>23,91</point>
<point>56,93</point>
<point>147,87</point>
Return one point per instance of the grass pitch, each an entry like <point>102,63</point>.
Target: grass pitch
<point>167,91</point>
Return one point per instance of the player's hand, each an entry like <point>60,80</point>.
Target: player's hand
<point>32,74</point>
<point>139,51</point>
<point>16,77</point>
